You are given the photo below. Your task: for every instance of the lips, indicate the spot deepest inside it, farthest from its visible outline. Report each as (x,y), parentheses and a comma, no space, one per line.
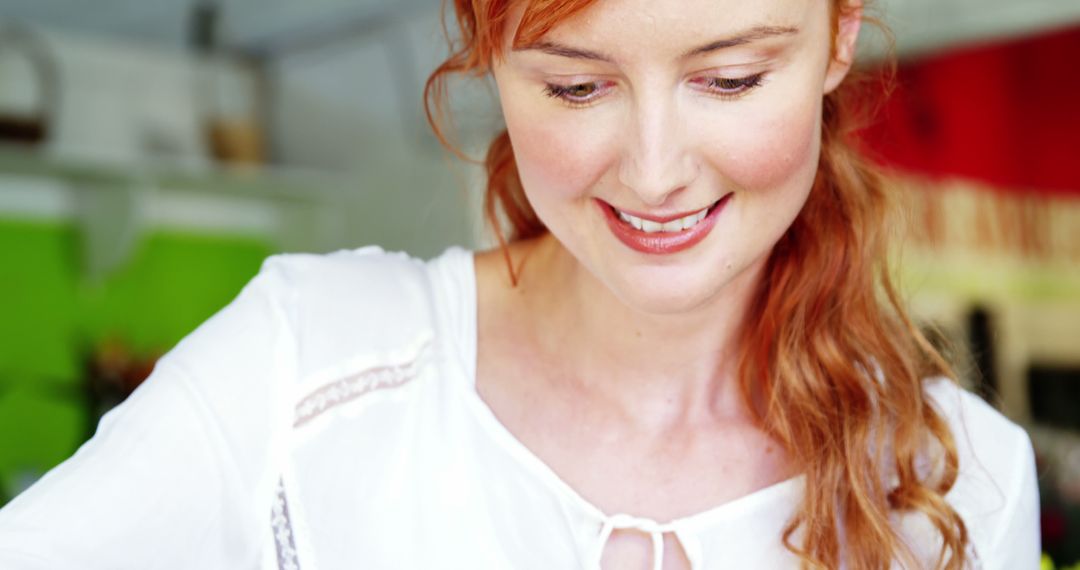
(662,235)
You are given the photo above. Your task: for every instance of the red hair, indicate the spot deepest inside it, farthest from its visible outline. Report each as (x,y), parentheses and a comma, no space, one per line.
(830,362)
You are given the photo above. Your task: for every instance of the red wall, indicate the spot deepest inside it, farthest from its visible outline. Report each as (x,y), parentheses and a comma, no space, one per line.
(1005,113)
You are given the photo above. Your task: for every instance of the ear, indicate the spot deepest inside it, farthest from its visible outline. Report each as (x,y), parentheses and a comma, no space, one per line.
(843,52)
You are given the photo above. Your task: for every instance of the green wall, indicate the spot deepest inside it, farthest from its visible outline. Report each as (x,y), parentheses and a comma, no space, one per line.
(50,318)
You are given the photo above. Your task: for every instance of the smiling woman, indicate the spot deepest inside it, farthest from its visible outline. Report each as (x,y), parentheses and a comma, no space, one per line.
(686,352)
(709,141)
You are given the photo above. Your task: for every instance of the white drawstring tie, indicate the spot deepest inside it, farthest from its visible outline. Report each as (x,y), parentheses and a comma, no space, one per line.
(622,522)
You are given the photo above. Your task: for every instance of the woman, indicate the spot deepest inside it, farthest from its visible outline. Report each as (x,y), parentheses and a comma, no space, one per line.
(679,358)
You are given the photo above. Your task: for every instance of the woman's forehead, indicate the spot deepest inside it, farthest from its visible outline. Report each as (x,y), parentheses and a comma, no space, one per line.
(608,27)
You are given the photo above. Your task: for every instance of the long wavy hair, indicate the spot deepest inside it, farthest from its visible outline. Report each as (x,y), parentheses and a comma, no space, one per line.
(830,363)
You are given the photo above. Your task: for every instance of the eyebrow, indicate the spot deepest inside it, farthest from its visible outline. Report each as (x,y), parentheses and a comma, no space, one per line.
(748,36)
(751,35)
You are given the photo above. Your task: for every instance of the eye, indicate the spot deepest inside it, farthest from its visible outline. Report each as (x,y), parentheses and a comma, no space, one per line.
(576,95)
(726,87)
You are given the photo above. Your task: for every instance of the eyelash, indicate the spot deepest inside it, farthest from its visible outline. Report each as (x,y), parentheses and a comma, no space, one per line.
(728,88)
(723,87)
(562,92)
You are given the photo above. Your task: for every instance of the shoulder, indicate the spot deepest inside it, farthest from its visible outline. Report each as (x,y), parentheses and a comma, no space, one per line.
(996,491)
(304,314)
(982,433)
(988,443)
(364,304)
(367,271)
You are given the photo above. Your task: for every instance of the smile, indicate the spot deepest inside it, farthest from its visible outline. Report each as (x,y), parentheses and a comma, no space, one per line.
(662,234)
(676,225)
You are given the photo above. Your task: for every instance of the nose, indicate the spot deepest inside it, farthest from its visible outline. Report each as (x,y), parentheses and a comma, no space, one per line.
(657,160)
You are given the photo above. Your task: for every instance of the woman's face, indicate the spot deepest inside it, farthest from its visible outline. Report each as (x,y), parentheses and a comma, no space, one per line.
(669,144)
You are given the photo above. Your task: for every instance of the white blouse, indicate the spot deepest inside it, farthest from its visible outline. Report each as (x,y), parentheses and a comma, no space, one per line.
(327,419)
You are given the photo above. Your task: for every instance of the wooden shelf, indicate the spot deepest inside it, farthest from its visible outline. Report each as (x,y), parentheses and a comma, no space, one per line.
(268,182)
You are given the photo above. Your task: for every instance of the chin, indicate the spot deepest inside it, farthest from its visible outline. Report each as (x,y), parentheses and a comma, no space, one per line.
(665,292)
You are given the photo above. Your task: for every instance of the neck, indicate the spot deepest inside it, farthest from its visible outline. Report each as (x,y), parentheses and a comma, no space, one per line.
(657,371)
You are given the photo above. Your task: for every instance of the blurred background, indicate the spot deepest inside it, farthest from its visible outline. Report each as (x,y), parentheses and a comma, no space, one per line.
(154,152)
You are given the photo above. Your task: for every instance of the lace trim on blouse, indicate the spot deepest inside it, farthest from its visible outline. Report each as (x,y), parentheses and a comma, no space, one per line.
(352,387)
(283,532)
(322,399)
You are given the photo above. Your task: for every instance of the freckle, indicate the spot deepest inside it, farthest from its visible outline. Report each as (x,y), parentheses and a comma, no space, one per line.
(768,449)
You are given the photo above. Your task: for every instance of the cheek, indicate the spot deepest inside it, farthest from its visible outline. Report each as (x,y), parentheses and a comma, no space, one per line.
(556,158)
(770,147)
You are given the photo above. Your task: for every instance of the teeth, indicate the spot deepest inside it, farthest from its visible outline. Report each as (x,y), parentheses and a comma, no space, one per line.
(649,226)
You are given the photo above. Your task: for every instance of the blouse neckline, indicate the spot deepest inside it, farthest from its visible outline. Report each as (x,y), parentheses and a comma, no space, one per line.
(780,493)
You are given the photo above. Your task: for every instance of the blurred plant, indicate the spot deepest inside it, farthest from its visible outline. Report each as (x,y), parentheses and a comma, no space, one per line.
(1048,564)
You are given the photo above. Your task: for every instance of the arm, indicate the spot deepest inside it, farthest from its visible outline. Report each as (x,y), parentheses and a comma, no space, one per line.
(180,475)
